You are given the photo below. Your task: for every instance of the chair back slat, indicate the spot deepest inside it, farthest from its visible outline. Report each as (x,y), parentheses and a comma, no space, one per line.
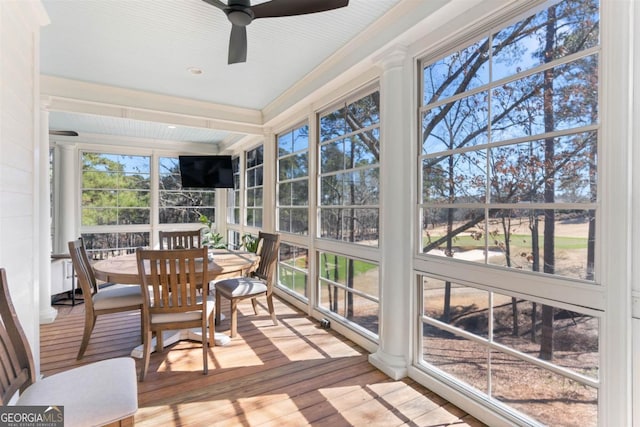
(180,239)
(175,277)
(16,360)
(268,248)
(82,266)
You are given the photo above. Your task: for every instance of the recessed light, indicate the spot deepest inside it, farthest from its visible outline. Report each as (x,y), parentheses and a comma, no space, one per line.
(171,127)
(195,71)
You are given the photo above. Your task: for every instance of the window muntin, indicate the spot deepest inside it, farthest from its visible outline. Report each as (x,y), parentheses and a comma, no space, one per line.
(254,186)
(233,196)
(293,181)
(177,206)
(115,189)
(349,171)
(495,133)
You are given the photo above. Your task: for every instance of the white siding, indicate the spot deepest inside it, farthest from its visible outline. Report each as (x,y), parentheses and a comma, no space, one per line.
(19,109)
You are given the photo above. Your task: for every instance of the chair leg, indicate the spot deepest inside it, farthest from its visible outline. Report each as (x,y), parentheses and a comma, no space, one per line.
(218,305)
(212,331)
(89,324)
(205,347)
(159,342)
(254,302)
(146,352)
(234,317)
(272,310)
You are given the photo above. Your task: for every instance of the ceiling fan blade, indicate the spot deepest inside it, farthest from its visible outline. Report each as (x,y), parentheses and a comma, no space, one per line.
(276,8)
(63,132)
(238,44)
(216,3)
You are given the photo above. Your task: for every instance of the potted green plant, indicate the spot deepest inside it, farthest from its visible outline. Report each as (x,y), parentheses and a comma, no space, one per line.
(249,242)
(210,237)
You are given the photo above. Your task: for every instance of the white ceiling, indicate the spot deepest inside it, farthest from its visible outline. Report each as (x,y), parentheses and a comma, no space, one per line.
(150,45)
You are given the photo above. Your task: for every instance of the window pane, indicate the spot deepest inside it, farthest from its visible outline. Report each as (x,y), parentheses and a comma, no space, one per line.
(105,245)
(458,178)
(466,360)
(461,71)
(462,123)
(284,194)
(519,236)
(293,269)
(333,125)
(457,305)
(516,105)
(350,225)
(522,41)
(519,324)
(349,288)
(456,233)
(301,138)
(285,143)
(530,388)
(300,193)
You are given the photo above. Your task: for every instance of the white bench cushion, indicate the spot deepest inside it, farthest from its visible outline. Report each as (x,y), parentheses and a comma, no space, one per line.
(117,296)
(92,395)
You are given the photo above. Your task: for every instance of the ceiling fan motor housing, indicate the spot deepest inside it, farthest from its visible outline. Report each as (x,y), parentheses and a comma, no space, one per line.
(240,16)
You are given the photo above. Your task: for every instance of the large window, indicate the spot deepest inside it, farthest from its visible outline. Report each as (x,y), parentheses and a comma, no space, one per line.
(509,146)
(349,171)
(508,174)
(116,202)
(348,203)
(253,182)
(293,181)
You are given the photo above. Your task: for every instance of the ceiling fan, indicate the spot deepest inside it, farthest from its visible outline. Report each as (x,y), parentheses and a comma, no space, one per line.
(63,132)
(240,13)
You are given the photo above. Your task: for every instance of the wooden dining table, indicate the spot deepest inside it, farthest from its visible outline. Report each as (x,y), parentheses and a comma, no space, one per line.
(222,263)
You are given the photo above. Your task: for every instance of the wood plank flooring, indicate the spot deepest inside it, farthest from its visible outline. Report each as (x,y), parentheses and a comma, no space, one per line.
(293,374)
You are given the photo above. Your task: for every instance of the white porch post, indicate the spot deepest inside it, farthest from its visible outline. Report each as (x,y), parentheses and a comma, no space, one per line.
(47,313)
(269,181)
(392,355)
(66,192)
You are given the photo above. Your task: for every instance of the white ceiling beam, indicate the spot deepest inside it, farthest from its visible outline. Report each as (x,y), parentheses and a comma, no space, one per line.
(90,98)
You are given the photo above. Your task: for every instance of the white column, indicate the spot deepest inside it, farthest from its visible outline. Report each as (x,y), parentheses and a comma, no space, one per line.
(66,212)
(47,313)
(269,181)
(396,216)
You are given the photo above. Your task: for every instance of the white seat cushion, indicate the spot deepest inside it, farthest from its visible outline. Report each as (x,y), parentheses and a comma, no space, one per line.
(184,317)
(117,296)
(243,286)
(92,395)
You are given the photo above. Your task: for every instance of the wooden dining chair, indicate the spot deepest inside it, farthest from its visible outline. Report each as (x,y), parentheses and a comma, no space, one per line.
(187,239)
(258,283)
(99,393)
(178,279)
(110,298)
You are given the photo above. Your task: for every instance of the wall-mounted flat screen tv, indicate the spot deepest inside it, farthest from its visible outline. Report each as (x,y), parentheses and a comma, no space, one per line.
(206,171)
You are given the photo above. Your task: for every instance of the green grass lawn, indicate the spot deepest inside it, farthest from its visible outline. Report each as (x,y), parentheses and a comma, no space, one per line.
(519,240)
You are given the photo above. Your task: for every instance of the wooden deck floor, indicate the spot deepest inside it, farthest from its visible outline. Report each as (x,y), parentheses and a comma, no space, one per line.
(294,374)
